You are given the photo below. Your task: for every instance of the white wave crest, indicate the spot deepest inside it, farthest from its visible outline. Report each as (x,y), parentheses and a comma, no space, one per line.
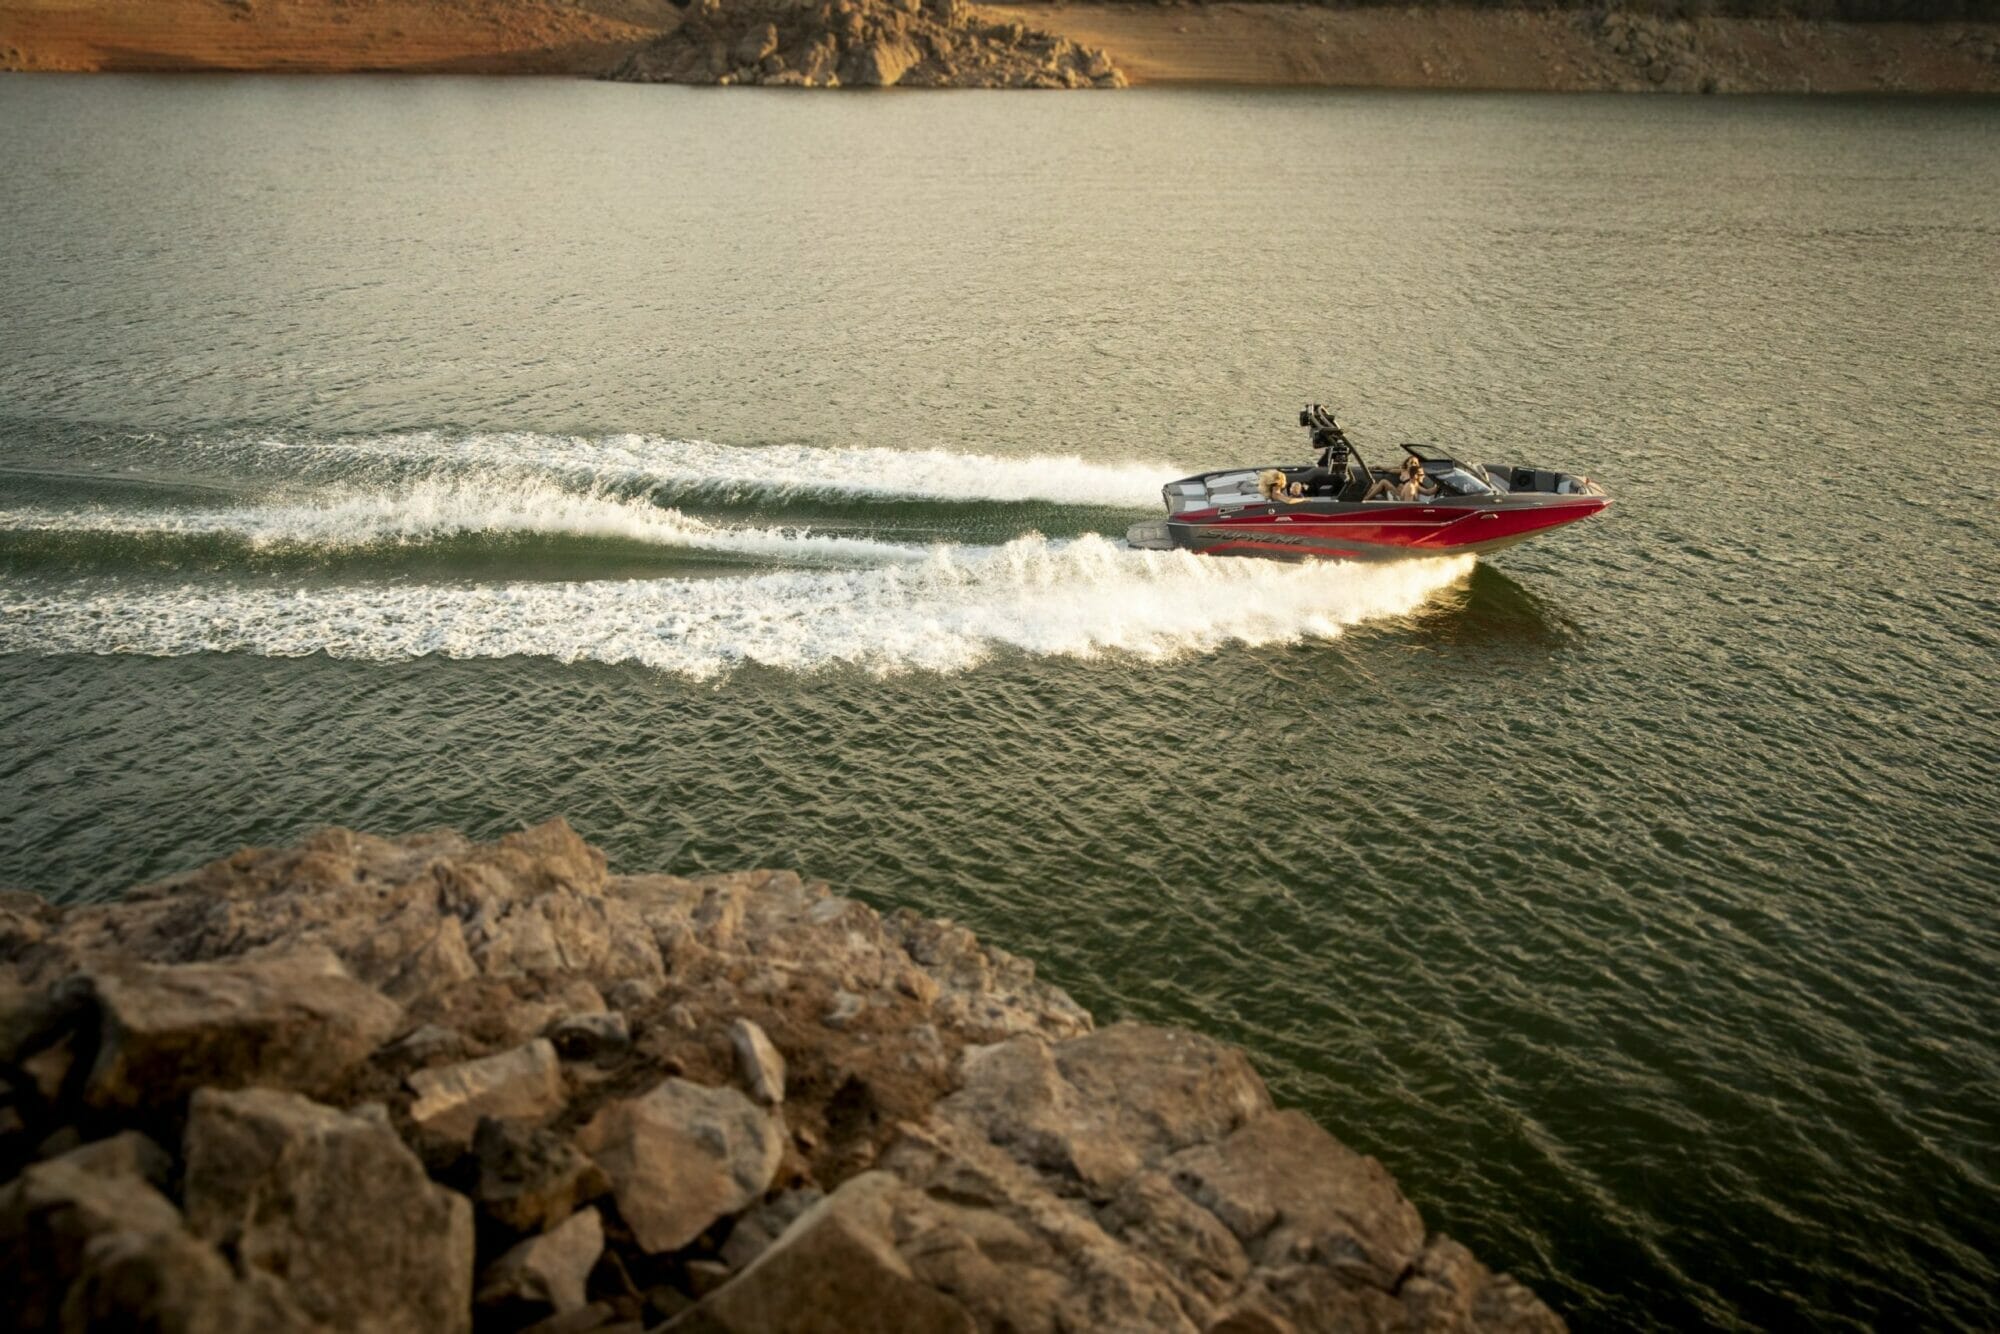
(433,509)
(946,612)
(697,467)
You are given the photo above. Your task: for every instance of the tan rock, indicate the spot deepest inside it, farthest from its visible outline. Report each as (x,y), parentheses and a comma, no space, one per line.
(524,1084)
(753,1232)
(1447,1289)
(439,961)
(25,920)
(47,1072)
(49,1215)
(424,1045)
(1163,1089)
(836,1269)
(527,1178)
(1151,1216)
(335,1204)
(549,1270)
(819,65)
(33,1017)
(1017,1247)
(756,43)
(126,1154)
(1015,1095)
(1294,1194)
(758,1062)
(878,64)
(169,1281)
(87,1244)
(295,1020)
(719,918)
(681,1157)
(1099,1107)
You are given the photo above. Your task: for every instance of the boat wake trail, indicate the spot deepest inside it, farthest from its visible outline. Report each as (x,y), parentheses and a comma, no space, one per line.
(951,609)
(696,469)
(436,510)
(128,555)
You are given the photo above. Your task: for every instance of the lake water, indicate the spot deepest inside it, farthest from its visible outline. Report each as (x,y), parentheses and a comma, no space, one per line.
(740,474)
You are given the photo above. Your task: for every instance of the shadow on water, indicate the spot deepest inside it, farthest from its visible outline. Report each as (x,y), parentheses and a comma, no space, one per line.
(1490,608)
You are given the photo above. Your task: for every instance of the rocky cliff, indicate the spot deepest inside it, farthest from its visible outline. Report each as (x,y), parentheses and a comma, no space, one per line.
(425,1084)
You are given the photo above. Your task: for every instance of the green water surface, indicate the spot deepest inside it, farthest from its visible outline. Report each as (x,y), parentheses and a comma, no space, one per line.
(718,468)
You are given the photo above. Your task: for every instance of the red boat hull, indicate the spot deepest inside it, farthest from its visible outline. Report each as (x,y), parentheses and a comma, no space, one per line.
(1377,530)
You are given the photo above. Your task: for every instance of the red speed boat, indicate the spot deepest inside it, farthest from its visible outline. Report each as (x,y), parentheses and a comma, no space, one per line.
(1467,507)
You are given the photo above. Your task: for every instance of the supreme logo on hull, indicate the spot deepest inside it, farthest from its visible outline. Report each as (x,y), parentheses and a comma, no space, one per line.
(1222,542)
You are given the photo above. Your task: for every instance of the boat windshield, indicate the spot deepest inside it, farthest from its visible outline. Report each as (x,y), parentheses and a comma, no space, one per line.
(1457,481)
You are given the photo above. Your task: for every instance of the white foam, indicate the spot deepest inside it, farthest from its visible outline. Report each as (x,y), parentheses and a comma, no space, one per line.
(432,509)
(946,612)
(698,467)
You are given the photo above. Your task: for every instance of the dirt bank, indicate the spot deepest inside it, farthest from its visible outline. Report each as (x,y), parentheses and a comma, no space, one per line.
(1274,44)
(327,36)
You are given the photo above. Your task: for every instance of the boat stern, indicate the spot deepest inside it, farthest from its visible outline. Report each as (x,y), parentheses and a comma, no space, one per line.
(1153,535)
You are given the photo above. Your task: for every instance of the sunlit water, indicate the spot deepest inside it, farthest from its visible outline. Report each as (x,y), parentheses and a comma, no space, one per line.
(741,475)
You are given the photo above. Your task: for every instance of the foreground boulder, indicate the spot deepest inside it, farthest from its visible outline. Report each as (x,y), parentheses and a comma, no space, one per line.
(49,1217)
(682,1157)
(333,1203)
(87,1245)
(324,1087)
(296,1019)
(546,1273)
(527,1179)
(835,1262)
(524,1084)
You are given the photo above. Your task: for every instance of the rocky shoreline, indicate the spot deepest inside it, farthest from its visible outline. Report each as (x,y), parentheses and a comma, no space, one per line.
(1038,44)
(863,44)
(427,1084)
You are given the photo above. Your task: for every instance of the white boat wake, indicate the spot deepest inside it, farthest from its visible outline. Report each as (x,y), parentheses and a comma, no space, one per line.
(948,610)
(698,468)
(432,510)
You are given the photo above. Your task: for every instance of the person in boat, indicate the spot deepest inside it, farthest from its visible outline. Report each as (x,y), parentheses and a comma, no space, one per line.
(1316,480)
(1271,485)
(1410,483)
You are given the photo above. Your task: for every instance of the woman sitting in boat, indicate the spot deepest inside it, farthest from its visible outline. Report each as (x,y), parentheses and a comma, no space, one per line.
(1271,485)
(1411,484)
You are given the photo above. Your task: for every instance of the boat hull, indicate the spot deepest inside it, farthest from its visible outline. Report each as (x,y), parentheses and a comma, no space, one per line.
(1374,530)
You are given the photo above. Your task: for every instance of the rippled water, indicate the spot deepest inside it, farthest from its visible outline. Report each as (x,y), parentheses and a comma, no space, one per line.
(741,474)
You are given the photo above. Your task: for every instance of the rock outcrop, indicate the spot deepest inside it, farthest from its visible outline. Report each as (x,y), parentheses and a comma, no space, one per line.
(423,1084)
(1657,52)
(863,44)
(331,1204)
